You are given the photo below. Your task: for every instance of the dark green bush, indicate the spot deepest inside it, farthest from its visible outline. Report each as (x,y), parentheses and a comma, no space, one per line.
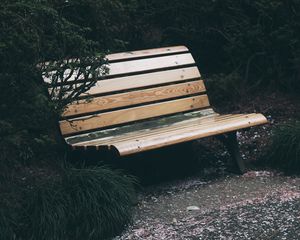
(7,224)
(257,40)
(224,87)
(111,22)
(9,211)
(31,148)
(84,204)
(285,149)
(32,32)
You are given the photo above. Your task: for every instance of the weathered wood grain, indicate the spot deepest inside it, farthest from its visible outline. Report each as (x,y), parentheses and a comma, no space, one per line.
(152,124)
(187,134)
(133,98)
(148,132)
(144,80)
(132,114)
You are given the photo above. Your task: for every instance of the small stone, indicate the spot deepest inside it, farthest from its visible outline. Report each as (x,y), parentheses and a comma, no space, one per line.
(193,208)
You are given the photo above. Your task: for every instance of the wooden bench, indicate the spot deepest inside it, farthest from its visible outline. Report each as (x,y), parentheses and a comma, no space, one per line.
(150,99)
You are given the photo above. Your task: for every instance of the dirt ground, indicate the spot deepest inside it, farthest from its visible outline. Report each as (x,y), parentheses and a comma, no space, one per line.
(257,205)
(206,201)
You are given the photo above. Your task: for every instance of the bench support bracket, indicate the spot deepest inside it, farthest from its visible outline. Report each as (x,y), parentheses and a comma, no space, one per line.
(232,145)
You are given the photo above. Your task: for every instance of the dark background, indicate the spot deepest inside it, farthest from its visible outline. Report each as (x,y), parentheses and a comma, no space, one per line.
(244,49)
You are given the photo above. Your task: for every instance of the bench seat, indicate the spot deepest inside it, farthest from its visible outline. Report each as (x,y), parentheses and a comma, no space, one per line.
(166,131)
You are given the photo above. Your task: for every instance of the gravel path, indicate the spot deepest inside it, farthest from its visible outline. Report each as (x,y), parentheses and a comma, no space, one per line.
(257,205)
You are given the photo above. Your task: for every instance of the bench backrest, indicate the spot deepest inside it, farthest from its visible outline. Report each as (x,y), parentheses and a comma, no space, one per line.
(140,85)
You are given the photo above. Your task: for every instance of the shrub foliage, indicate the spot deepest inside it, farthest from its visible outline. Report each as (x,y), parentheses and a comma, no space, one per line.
(285,149)
(90,203)
(258,40)
(33,32)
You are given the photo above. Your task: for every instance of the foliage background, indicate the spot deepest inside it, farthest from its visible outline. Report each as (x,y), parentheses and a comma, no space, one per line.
(241,47)
(35,184)
(255,43)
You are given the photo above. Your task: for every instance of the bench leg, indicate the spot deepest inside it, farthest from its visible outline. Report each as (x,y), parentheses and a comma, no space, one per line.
(231,143)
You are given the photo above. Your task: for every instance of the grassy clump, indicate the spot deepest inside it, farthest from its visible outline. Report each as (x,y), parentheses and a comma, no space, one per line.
(7,224)
(84,204)
(285,148)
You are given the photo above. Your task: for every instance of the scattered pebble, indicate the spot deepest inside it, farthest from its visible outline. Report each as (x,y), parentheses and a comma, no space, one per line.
(192,208)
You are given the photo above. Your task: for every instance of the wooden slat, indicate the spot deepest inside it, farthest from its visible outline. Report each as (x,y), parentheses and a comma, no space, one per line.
(140,126)
(133,98)
(205,122)
(132,114)
(143,80)
(135,66)
(182,135)
(146,53)
(147,132)
(150,64)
